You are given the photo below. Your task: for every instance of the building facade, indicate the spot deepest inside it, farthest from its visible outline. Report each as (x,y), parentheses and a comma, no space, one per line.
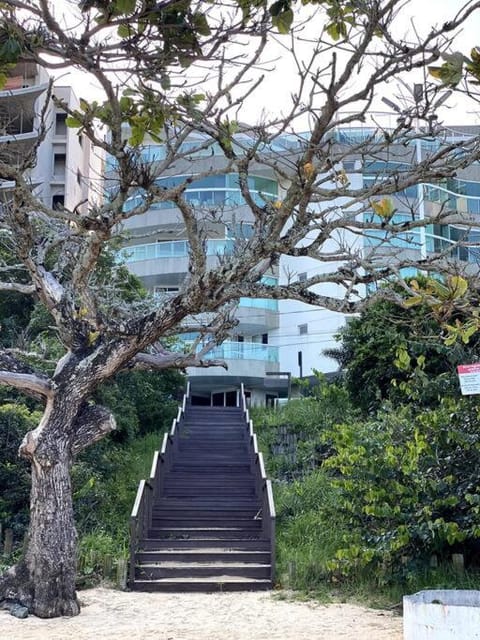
(275,340)
(66,173)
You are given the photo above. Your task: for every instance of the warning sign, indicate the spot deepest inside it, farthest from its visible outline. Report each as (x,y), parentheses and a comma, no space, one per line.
(469,376)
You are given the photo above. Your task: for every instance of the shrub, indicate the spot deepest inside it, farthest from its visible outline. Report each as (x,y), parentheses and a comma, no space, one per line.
(408,488)
(15,421)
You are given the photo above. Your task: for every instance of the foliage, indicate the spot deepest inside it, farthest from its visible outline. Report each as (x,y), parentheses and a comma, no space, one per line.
(308,537)
(408,487)
(385,342)
(102,522)
(290,436)
(15,421)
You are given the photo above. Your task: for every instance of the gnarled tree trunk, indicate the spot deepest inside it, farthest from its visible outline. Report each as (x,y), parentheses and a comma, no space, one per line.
(44,578)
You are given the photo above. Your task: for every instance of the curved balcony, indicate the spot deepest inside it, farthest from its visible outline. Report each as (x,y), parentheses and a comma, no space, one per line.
(172,249)
(205,147)
(244,359)
(465,199)
(230,350)
(15,147)
(17,108)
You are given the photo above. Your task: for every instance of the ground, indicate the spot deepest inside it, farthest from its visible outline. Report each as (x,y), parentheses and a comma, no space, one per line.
(117,615)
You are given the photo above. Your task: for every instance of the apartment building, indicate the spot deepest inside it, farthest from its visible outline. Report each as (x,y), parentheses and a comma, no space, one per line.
(67,172)
(275,340)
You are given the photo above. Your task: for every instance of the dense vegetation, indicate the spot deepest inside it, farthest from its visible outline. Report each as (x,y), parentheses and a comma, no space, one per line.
(375,474)
(377,488)
(105,477)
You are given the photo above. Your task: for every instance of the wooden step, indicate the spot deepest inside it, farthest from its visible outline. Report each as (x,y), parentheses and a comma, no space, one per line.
(232,543)
(225,504)
(212,554)
(201,570)
(187,522)
(203,532)
(201,585)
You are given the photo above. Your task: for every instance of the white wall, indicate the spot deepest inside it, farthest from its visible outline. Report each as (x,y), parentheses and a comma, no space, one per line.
(321,324)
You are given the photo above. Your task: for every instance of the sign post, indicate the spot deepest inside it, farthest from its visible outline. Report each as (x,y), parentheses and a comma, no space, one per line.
(469,376)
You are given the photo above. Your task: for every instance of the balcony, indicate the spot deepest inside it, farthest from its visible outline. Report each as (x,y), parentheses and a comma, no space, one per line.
(17,109)
(244,351)
(244,360)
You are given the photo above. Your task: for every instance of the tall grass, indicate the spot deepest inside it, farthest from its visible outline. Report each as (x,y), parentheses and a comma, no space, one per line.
(103,505)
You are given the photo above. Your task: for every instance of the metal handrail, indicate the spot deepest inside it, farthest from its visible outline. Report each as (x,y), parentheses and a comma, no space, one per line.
(263,486)
(147,491)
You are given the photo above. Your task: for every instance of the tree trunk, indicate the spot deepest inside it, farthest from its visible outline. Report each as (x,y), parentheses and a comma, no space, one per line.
(44,580)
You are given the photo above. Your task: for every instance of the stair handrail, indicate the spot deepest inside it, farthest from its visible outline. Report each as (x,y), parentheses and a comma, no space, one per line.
(263,485)
(141,515)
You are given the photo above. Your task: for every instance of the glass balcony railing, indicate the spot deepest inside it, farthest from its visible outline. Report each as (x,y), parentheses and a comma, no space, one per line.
(173,249)
(244,351)
(201,198)
(454,201)
(259,303)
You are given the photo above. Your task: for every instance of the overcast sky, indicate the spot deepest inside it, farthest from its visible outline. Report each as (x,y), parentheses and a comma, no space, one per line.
(417,15)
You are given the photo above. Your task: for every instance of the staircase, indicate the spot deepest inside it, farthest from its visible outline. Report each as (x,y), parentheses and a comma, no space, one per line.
(205,519)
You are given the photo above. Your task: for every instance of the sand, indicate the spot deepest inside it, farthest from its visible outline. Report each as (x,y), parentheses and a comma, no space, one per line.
(116,615)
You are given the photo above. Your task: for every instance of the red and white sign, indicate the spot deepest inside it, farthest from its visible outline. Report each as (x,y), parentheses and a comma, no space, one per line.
(469,376)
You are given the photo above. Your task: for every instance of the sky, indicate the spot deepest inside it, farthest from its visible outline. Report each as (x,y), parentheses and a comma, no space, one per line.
(280,81)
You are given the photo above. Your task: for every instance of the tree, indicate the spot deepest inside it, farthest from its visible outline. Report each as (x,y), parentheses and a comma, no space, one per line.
(149,59)
(371,348)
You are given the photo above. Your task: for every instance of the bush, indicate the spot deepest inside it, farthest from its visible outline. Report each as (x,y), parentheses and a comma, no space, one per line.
(290,436)
(15,421)
(308,537)
(408,488)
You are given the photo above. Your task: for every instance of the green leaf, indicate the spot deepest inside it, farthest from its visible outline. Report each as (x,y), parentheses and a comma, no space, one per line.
(414,301)
(450,72)
(283,21)
(137,136)
(72,122)
(336,30)
(201,24)
(126,103)
(165,82)
(125,31)
(125,6)
(458,286)
(10,50)
(277,7)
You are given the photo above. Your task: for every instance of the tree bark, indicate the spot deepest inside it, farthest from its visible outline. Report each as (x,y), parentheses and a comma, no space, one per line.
(44,579)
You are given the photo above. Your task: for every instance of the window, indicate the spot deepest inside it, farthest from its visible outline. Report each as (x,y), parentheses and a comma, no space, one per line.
(59,164)
(79,177)
(264,338)
(303,329)
(160,291)
(60,124)
(58,201)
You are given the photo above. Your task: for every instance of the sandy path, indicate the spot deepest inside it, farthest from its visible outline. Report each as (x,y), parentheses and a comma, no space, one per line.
(116,615)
